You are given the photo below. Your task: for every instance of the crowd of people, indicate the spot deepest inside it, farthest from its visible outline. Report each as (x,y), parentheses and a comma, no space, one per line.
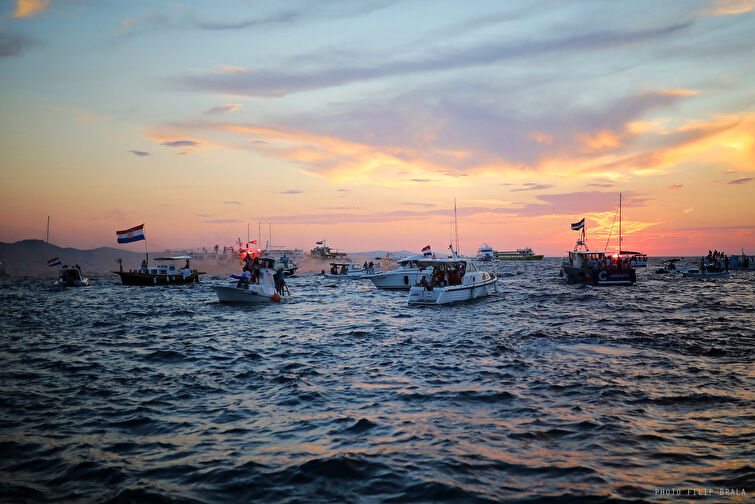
(714,261)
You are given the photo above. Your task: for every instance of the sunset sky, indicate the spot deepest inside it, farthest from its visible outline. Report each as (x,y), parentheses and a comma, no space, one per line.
(360,122)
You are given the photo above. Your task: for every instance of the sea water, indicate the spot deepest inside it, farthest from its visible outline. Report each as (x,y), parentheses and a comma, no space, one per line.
(342,393)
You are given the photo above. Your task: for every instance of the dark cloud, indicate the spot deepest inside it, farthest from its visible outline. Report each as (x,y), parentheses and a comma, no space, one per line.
(532,187)
(234,202)
(221,221)
(420,180)
(180,143)
(292,191)
(222,109)
(13,45)
(741,180)
(279,83)
(412,203)
(603,184)
(258,142)
(675,187)
(139,153)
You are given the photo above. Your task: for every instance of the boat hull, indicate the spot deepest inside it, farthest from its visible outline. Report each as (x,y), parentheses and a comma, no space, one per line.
(705,274)
(255,294)
(603,277)
(138,278)
(452,294)
(520,258)
(398,280)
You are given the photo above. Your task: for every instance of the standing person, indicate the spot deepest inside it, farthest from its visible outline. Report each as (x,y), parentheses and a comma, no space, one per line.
(284,260)
(256,270)
(144,266)
(248,263)
(280,282)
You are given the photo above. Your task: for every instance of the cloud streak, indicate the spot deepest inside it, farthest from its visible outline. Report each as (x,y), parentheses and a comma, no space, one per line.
(139,153)
(273,83)
(180,143)
(12,45)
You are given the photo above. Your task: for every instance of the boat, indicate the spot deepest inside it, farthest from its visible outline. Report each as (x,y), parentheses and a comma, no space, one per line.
(525,254)
(595,268)
(742,262)
(453,280)
(246,292)
(669,266)
(71,276)
(162,274)
(637,259)
(485,253)
(322,251)
(704,273)
(407,274)
(345,270)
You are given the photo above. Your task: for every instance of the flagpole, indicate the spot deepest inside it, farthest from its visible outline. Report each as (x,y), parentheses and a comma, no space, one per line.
(146,254)
(48,229)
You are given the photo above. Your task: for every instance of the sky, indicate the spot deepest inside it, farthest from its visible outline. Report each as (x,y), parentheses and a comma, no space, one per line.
(361,122)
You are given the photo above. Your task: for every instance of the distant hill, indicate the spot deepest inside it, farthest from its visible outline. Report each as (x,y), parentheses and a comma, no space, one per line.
(29,258)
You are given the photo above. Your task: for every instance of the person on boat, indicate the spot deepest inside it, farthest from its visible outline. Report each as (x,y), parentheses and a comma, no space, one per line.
(364,266)
(248,261)
(280,281)
(256,270)
(344,271)
(284,260)
(333,269)
(144,266)
(243,280)
(187,266)
(423,283)
(371,266)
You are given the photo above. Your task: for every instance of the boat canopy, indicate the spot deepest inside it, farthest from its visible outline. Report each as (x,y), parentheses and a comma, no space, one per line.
(343,264)
(630,252)
(447,264)
(173,258)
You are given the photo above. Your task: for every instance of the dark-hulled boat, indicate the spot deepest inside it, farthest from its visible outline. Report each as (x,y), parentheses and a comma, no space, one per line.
(595,268)
(162,274)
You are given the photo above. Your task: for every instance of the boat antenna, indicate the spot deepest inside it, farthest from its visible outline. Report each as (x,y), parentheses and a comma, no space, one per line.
(620,238)
(48,229)
(456,227)
(610,233)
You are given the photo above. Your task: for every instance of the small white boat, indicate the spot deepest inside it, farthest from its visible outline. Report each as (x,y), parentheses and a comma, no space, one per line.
(346,270)
(246,292)
(407,274)
(453,280)
(669,266)
(71,276)
(704,273)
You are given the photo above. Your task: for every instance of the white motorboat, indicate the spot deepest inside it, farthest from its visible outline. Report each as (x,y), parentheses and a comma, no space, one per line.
(407,274)
(346,270)
(247,292)
(704,273)
(669,266)
(453,280)
(71,276)
(485,253)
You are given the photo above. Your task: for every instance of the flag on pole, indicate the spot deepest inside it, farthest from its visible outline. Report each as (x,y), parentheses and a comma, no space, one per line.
(319,243)
(133,234)
(54,261)
(426,251)
(578,225)
(253,241)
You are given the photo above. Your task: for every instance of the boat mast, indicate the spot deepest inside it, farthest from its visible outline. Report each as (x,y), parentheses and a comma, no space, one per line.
(48,229)
(619,223)
(456,228)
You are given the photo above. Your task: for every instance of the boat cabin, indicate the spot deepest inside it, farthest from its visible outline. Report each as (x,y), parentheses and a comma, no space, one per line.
(485,253)
(345,268)
(445,272)
(581,258)
(170,268)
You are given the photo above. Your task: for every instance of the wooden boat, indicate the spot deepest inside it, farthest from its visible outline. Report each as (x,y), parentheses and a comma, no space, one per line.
(162,274)
(595,268)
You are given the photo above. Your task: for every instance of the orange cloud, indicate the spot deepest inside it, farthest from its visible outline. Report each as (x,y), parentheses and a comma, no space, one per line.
(730,7)
(27,8)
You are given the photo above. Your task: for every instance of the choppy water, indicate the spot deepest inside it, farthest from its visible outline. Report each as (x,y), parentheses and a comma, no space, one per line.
(547,392)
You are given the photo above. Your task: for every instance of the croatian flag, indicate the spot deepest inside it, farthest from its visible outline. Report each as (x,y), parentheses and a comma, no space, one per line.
(54,261)
(319,243)
(253,241)
(426,251)
(136,233)
(578,225)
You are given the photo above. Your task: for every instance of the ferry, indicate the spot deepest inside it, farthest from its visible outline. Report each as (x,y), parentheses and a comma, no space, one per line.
(71,276)
(453,280)
(162,274)
(595,268)
(525,254)
(408,273)
(246,292)
(485,253)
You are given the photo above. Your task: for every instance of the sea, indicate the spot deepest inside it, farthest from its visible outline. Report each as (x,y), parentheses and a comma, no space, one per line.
(544,392)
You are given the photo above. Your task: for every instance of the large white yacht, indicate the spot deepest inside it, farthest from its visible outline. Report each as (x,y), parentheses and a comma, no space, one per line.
(453,280)
(408,273)
(485,253)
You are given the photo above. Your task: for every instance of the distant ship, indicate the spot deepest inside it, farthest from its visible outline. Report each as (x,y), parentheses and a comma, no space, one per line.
(524,254)
(485,253)
(322,251)
(161,274)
